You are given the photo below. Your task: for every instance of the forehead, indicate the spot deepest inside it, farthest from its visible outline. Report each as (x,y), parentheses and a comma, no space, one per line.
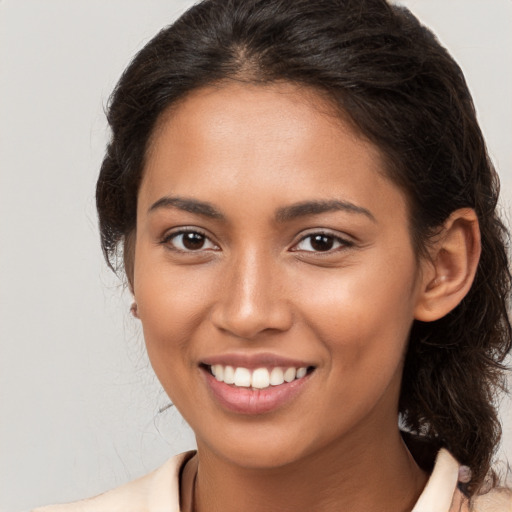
(214,105)
(278,141)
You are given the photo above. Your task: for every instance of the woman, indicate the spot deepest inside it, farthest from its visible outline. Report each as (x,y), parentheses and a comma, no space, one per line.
(307,217)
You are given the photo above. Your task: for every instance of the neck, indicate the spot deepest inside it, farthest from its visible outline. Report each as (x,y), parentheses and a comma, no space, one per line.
(379,474)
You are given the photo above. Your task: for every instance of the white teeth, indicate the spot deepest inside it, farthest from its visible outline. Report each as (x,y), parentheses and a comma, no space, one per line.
(261,378)
(276,376)
(218,372)
(242,378)
(301,372)
(229,375)
(290,374)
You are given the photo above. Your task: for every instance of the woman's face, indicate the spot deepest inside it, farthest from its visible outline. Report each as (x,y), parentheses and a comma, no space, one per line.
(270,248)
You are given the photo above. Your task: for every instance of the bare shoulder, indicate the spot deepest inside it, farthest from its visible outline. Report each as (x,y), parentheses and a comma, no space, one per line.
(154,492)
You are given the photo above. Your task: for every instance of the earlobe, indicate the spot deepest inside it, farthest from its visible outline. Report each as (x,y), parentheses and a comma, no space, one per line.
(452,266)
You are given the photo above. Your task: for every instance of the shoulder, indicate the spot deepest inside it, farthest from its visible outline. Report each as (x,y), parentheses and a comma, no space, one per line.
(157,491)
(496,500)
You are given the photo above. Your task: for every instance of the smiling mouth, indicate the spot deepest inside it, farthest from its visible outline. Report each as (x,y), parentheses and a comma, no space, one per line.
(258,378)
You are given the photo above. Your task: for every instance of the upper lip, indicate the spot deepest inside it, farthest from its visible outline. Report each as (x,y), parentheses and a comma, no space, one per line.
(253,361)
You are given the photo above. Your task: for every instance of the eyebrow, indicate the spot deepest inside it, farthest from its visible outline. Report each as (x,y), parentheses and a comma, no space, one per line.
(306,208)
(187,205)
(284,214)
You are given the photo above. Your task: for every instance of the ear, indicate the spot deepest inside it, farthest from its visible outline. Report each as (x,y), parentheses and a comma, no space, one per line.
(448,276)
(134,310)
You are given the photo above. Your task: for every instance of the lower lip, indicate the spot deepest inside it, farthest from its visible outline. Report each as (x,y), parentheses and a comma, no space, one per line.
(254,401)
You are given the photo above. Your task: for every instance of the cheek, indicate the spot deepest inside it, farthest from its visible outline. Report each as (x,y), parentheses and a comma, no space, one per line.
(171,303)
(167,294)
(168,313)
(363,313)
(364,333)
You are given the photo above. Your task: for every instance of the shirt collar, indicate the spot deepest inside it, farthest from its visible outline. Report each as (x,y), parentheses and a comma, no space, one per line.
(440,489)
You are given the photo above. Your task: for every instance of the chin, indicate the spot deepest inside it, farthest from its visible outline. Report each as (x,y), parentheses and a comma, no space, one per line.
(258,453)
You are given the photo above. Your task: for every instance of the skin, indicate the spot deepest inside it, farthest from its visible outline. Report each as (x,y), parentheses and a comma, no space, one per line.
(256,286)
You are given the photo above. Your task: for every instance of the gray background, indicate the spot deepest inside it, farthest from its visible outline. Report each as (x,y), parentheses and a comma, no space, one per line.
(78,401)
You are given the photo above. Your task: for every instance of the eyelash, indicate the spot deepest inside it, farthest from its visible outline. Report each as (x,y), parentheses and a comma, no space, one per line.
(333,239)
(168,240)
(342,242)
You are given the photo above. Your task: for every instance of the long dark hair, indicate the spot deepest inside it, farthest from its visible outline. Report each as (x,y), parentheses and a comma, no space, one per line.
(401,90)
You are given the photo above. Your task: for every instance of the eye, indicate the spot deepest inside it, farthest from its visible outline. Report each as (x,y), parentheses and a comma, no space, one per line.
(321,242)
(189,241)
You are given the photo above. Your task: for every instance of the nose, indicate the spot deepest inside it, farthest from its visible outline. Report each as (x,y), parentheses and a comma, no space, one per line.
(252,298)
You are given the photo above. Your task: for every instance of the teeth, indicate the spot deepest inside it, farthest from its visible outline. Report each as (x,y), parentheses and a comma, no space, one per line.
(218,372)
(290,374)
(261,378)
(276,376)
(301,372)
(229,375)
(242,378)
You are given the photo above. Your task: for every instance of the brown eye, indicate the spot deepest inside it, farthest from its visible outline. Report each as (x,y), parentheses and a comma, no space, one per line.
(190,241)
(193,241)
(321,242)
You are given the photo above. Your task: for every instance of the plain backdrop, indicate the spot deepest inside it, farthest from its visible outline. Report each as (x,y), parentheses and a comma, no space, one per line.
(79,405)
